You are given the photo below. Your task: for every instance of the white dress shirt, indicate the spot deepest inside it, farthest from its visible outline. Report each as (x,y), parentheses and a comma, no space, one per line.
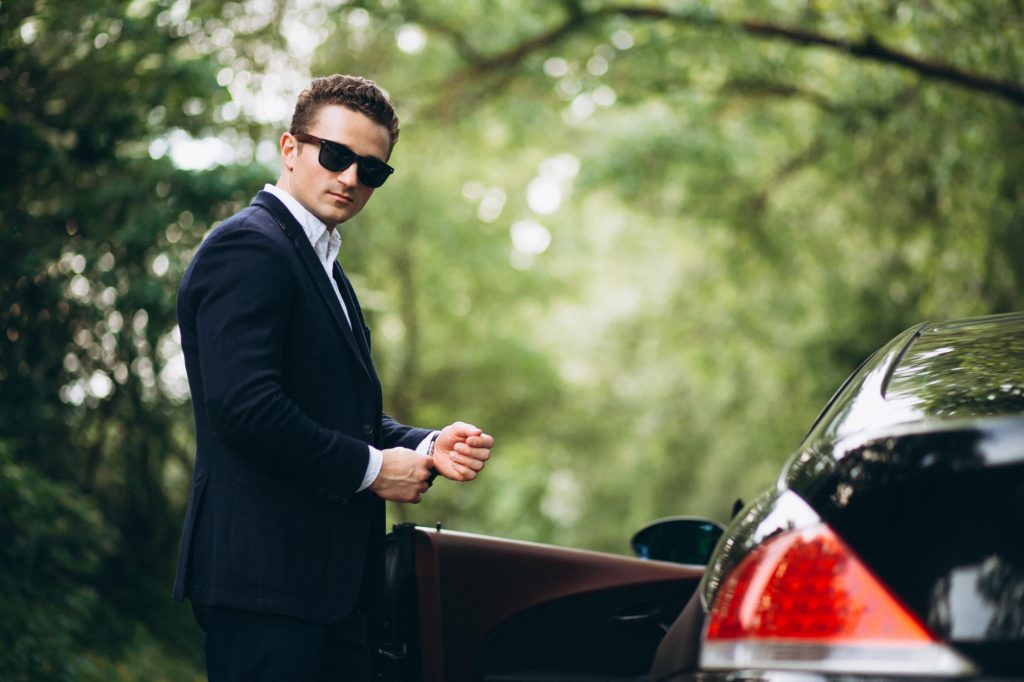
(327,243)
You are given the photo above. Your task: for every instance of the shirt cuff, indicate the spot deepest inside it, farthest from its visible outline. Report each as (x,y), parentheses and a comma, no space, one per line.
(373,466)
(424,447)
(376,460)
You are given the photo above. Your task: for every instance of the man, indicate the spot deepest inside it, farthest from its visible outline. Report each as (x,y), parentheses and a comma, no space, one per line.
(281,552)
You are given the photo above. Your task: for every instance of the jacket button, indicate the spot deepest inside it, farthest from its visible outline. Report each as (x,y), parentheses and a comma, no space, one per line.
(367,429)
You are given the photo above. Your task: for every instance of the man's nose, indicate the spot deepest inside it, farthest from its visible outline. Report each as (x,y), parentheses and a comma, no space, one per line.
(350,175)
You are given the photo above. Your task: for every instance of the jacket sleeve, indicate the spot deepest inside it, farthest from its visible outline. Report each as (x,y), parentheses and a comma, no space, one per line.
(235,303)
(400,435)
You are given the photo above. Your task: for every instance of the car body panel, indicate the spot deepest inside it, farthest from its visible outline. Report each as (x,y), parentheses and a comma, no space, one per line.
(930,373)
(494,609)
(917,463)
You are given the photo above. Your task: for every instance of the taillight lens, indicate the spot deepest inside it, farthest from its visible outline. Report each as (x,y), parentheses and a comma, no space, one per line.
(804,601)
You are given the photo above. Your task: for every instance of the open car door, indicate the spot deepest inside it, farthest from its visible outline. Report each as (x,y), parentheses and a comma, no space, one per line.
(464,607)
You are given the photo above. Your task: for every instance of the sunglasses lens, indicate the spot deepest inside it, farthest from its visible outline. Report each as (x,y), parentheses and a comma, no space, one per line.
(372,174)
(335,157)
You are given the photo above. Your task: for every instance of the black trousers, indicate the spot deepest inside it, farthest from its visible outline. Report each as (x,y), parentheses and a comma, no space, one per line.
(244,646)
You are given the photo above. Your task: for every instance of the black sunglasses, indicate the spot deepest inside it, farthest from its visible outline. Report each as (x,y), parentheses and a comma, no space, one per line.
(336,157)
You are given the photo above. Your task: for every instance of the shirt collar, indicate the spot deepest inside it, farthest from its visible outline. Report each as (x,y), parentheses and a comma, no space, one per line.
(326,243)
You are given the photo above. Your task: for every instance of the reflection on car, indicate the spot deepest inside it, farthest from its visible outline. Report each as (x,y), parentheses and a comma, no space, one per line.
(890,546)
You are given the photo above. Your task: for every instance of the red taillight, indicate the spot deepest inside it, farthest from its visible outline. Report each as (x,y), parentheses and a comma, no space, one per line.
(803,600)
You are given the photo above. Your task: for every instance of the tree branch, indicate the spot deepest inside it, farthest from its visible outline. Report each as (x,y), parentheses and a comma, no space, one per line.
(868,49)
(872,50)
(413,12)
(753,89)
(516,53)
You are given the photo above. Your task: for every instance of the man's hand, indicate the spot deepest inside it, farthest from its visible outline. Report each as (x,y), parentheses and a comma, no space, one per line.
(461,450)
(403,475)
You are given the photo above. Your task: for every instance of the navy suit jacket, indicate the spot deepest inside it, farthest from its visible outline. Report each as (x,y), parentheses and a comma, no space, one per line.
(286,400)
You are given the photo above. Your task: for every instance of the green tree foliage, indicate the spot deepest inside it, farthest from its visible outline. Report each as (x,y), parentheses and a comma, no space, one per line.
(765,193)
(640,243)
(54,544)
(95,233)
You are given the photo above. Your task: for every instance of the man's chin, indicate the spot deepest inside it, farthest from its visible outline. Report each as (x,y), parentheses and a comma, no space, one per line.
(332,215)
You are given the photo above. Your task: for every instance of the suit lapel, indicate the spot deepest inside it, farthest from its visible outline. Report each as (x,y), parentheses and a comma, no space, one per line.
(355,315)
(283,217)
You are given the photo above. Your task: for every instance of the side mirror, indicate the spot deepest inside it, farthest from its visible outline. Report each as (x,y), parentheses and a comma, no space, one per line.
(680,539)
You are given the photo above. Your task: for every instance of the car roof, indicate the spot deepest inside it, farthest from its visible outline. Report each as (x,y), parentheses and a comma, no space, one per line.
(968,368)
(933,372)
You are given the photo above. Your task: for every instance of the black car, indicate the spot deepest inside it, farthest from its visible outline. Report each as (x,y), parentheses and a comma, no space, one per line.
(892,543)
(891,546)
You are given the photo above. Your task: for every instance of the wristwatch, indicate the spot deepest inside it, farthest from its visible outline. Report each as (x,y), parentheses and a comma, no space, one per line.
(430,454)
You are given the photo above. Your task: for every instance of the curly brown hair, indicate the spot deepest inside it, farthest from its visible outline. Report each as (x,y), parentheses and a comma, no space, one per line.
(357,93)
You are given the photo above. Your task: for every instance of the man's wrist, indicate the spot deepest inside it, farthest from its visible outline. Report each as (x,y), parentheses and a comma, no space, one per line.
(373,467)
(430,454)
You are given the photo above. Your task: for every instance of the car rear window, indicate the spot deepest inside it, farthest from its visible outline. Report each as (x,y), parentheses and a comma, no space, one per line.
(973,368)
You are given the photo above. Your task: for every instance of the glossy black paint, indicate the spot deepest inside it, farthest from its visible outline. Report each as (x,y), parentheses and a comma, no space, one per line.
(917,463)
(941,525)
(931,373)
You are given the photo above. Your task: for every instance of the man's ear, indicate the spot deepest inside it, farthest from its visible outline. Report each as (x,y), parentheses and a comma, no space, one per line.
(289,150)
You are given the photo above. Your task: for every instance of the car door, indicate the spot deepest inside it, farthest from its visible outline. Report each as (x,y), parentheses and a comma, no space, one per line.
(470,607)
